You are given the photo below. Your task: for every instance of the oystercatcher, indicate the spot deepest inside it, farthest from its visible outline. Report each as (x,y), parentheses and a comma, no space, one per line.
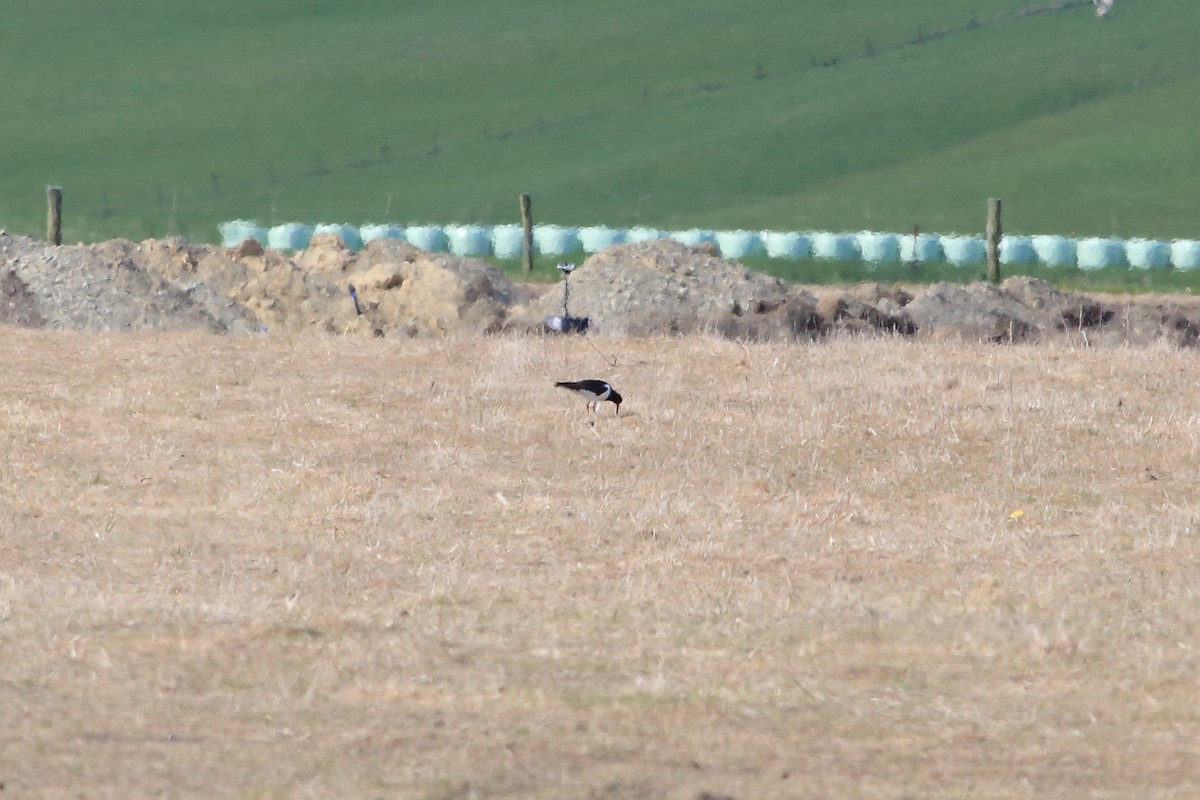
(594,391)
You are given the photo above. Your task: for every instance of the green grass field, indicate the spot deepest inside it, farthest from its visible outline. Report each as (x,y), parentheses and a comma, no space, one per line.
(169,118)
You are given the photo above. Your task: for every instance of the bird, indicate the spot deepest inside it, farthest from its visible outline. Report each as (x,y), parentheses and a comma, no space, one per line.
(594,391)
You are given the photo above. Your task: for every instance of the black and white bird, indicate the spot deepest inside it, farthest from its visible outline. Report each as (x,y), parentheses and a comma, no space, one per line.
(594,391)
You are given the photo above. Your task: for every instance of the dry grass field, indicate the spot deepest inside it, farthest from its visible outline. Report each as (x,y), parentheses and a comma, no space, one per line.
(327,567)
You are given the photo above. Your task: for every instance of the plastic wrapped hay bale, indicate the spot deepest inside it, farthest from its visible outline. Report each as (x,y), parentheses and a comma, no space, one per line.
(739,244)
(1147,254)
(555,240)
(469,240)
(1017,250)
(1096,253)
(878,247)
(786,244)
(370,233)
(595,238)
(1054,251)
(1185,254)
(644,234)
(962,251)
(695,237)
(347,233)
(508,241)
(428,237)
(835,246)
(289,236)
(923,247)
(239,230)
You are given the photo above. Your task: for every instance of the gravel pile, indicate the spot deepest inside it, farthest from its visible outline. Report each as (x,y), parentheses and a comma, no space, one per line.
(663,285)
(102,288)
(666,287)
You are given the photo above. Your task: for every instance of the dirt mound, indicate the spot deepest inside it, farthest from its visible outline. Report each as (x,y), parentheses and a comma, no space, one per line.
(866,308)
(658,286)
(391,288)
(100,288)
(171,284)
(401,286)
(1029,309)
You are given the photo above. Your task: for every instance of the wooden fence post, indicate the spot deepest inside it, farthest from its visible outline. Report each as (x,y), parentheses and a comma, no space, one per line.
(527,223)
(993,240)
(54,214)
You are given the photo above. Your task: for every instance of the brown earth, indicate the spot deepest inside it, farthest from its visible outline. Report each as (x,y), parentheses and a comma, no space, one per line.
(304,565)
(391,288)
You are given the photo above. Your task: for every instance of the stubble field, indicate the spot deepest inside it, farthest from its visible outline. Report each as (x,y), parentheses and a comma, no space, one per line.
(309,566)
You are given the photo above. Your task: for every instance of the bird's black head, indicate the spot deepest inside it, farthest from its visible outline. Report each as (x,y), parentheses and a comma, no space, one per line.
(615,398)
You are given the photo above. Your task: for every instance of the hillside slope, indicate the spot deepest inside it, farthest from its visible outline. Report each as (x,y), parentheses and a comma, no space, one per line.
(162,120)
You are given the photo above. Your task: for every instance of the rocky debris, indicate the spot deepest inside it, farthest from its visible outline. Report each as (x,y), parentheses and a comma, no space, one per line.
(170,284)
(865,308)
(391,288)
(1053,308)
(249,247)
(1029,309)
(792,317)
(1138,323)
(662,285)
(326,252)
(978,312)
(101,288)
(17,305)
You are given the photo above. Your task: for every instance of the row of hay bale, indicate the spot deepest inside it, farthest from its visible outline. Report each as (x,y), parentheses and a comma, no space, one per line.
(507,241)
(1046,250)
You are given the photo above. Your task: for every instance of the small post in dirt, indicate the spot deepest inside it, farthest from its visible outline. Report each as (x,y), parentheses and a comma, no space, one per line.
(54,214)
(993,240)
(527,224)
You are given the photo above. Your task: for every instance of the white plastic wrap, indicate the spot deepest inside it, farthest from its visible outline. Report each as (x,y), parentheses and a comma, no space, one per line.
(1017,250)
(468,240)
(1054,251)
(963,251)
(641,234)
(924,247)
(555,240)
(1097,253)
(1147,254)
(878,247)
(289,236)
(740,244)
(695,237)
(239,230)
(1185,254)
(787,244)
(371,232)
(595,238)
(834,246)
(431,238)
(508,241)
